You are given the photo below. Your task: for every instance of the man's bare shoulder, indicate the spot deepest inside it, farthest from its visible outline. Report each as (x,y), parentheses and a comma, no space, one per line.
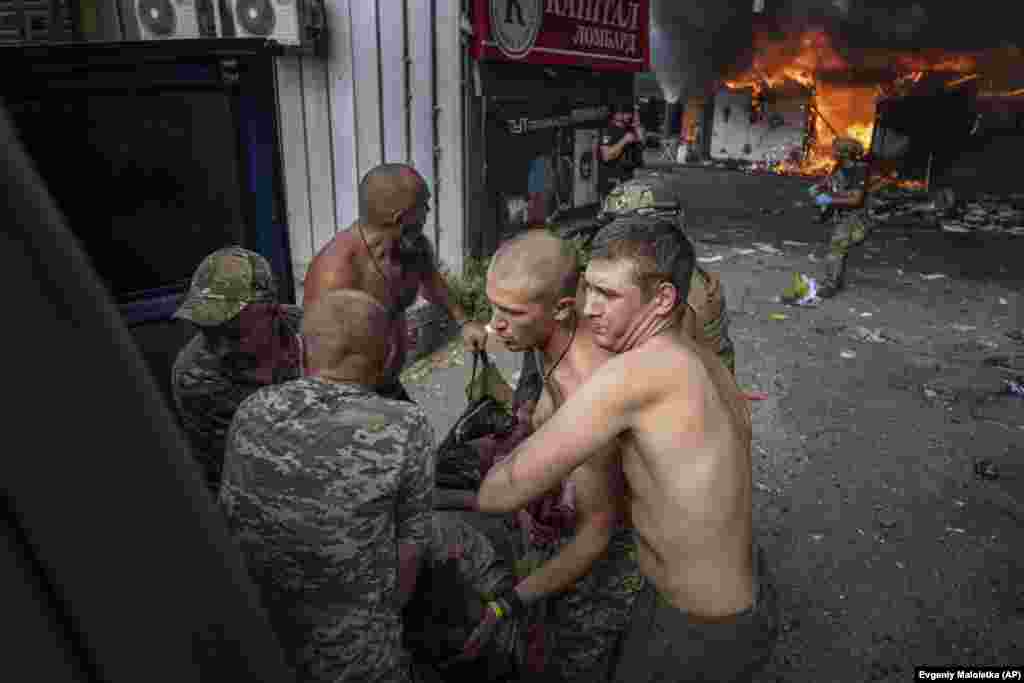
(341,247)
(334,266)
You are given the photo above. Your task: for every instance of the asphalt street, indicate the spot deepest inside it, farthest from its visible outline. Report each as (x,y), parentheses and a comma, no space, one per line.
(888,456)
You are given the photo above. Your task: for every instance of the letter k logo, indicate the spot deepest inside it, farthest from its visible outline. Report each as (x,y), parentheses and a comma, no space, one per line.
(509,5)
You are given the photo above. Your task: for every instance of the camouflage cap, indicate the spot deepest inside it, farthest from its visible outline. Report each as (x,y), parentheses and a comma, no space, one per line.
(636,195)
(225,282)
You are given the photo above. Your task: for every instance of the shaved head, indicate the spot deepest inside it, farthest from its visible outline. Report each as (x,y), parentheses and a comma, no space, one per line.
(387,190)
(538,263)
(343,324)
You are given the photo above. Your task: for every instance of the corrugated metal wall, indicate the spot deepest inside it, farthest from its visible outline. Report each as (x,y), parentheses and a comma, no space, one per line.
(388,90)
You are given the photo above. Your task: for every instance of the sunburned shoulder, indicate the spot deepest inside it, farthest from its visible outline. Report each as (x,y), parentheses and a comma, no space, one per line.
(660,365)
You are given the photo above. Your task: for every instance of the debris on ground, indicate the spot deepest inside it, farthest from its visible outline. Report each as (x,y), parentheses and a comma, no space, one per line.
(986,469)
(766,248)
(847,354)
(932,276)
(710,259)
(1016,335)
(863,334)
(777,316)
(989,213)
(794,243)
(745,252)
(802,292)
(963,328)
(1016,388)
(985,213)
(1003,302)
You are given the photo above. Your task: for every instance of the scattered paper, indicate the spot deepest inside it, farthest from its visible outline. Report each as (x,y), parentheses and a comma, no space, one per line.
(866,315)
(1003,301)
(767,248)
(865,335)
(933,276)
(710,259)
(847,354)
(794,243)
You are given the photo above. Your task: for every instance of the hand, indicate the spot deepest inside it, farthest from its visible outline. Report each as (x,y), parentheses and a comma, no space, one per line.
(629,137)
(474,336)
(481,635)
(823,200)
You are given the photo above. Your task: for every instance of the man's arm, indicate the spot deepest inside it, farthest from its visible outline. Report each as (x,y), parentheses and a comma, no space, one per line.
(590,419)
(435,289)
(596,514)
(415,505)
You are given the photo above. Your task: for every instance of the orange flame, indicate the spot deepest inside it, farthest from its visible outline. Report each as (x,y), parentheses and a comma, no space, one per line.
(837,109)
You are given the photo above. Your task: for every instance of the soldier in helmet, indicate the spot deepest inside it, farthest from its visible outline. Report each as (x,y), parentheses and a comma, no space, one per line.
(245,340)
(844,195)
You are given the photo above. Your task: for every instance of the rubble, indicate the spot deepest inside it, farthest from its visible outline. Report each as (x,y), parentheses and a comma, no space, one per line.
(986,469)
(986,213)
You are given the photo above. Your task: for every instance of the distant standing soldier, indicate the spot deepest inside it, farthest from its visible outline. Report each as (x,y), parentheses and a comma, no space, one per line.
(246,340)
(845,194)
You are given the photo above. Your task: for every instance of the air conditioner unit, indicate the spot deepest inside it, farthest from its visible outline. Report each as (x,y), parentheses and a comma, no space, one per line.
(289,22)
(32,21)
(170,19)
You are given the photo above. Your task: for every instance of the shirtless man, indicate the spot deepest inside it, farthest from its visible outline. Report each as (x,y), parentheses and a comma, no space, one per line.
(591,572)
(708,612)
(385,254)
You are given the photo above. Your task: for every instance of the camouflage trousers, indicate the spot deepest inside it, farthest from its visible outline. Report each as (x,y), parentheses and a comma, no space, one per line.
(574,636)
(850,230)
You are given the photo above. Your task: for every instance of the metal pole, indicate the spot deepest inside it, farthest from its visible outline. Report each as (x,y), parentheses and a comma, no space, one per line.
(928,174)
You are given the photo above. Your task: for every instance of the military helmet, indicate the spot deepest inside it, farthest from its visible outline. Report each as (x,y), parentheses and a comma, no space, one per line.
(648,196)
(847,147)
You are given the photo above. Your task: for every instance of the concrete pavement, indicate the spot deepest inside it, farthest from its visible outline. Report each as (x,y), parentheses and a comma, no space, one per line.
(892,546)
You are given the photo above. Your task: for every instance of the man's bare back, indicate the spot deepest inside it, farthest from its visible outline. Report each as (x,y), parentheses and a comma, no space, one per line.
(687,460)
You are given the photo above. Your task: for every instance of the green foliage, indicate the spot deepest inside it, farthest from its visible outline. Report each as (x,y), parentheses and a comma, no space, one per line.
(470,287)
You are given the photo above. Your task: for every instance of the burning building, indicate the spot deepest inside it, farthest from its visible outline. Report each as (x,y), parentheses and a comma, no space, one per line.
(781,106)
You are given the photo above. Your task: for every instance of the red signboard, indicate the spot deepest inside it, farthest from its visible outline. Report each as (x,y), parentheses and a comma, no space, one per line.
(597,34)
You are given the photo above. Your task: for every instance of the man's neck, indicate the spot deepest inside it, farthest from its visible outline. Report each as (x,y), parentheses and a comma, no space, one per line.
(558,342)
(345,373)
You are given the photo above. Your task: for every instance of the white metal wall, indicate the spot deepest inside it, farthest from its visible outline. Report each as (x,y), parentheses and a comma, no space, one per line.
(388,89)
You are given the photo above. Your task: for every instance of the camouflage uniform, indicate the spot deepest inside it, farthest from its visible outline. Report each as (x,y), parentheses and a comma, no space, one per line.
(851,227)
(587,622)
(214,373)
(322,483)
